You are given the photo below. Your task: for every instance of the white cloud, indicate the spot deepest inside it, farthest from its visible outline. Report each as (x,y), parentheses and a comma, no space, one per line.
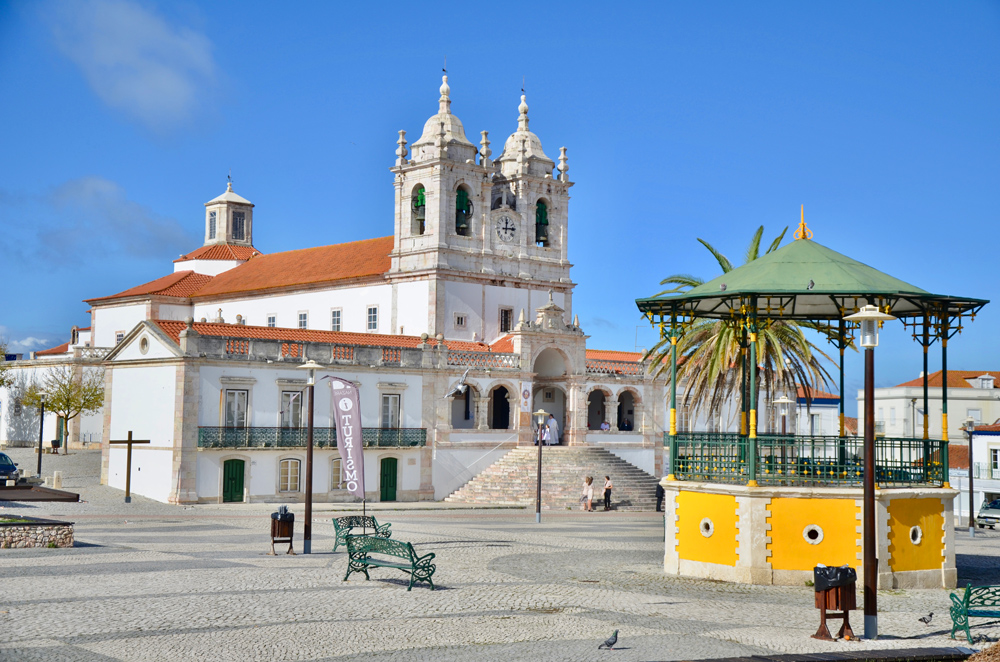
(96,215)
(134,60)
(24,345)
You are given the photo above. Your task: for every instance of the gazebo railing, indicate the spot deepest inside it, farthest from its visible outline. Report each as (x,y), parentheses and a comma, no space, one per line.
(805,459)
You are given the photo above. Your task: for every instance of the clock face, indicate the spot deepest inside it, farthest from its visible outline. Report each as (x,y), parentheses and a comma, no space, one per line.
(506,228)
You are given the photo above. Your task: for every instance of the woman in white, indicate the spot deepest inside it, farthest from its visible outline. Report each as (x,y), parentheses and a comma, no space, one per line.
(546,436)
(587,500)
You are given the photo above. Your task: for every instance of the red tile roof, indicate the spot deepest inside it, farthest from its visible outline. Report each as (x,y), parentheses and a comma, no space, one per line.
(958,456)
(307,266)
(221,252)
(610,355)
(505,345)
(816,394)
(173,329)
(956,378)
(180,284)
(58,349)
(851,425)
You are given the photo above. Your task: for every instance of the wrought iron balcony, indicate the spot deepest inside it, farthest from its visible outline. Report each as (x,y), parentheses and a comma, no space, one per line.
(815,460)
(262,437)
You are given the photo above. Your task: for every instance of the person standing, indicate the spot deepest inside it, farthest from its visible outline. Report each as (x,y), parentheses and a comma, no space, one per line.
(659,498)
(587,500)
(553,429)
(546,436)
(607,492)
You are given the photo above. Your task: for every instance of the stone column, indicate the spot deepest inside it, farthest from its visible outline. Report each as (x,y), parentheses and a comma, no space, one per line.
(482,412)
(183,478)
(611,412)
(106,427)
(515,408)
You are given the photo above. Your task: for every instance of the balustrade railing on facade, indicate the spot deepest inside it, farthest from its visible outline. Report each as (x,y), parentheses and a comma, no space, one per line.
(600,367)
(804,459)
(484,359)
(266,437)
(985,471)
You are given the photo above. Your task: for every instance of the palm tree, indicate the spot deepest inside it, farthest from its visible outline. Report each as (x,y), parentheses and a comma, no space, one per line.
(711,352)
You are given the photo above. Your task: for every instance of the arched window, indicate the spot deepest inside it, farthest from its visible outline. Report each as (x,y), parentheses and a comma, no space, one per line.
(463,212)
(542,223)
(418,206)
(288,478)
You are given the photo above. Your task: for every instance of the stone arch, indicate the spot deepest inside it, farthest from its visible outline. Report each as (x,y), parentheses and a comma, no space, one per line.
(499,408)
(550,362)
(542,209)
(418,209)
(628,408)
(597,406)
(463,408)
(464,210)
(553,399)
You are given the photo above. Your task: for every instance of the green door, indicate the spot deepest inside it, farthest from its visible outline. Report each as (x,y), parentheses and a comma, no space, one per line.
(232,481)
(387,481)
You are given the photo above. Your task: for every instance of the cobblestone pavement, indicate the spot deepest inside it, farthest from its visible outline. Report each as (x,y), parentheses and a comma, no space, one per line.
(148,581)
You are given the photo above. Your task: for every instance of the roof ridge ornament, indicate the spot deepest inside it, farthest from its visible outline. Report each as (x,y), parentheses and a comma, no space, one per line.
(803,232)
(522,109)
(444,107)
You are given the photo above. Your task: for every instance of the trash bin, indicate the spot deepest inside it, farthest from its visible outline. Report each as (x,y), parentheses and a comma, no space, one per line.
(282,529)
(835,598)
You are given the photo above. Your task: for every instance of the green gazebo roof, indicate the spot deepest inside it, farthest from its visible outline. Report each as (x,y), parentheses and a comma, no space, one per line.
(805,280)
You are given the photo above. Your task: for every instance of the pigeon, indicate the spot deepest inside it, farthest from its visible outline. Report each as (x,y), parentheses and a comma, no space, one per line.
(722,287)
(810,285)
(610,642)
(926,620)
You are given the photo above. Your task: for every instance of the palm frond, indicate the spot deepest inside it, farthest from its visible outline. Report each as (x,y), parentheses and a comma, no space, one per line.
(777,241)
(723,261)
(753,250)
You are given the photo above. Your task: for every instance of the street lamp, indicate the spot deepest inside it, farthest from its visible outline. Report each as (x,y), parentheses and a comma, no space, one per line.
(871,319)
(970,429)
(41,427)
(783,402)
(540,416)
(311,366)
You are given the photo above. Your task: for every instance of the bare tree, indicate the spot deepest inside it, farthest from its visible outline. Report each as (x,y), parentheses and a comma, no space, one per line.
(6,378)
(68,393)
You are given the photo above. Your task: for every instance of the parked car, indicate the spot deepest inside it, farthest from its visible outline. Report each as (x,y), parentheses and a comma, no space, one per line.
(8,469)
(989,515)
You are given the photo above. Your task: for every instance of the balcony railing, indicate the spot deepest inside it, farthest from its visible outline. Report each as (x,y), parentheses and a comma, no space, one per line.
(805,460)
(258,437)
(985,471)
(602,367)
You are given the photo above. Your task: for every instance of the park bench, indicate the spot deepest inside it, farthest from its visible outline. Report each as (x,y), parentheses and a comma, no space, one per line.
(361,548)
(344,526)
(981,601)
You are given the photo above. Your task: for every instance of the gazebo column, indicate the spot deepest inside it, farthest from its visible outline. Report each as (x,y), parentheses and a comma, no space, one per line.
(752,437)
(927,342)
(944,380)
(841,344)
(673,397)
(743,380)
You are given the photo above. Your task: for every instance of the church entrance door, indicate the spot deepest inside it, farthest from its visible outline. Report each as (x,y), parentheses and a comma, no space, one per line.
(387,479)
(232,481)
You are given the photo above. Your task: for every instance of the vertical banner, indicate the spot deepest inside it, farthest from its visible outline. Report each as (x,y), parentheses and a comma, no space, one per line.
(346,410)
(526,397)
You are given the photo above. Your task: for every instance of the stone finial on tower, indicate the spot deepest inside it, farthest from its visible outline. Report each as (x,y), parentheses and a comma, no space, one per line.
(484,150)
(445,100)
(562,167)
(522,121)
(401,151)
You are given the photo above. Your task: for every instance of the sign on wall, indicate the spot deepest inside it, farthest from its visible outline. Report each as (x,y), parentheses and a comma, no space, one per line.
(346,408)
(526,397)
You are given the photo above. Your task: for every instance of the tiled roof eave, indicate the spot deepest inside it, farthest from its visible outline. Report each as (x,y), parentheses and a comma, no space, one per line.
(292,289)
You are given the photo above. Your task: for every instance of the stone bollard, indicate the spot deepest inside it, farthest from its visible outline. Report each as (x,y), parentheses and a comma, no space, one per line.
(47,482)
(57,480)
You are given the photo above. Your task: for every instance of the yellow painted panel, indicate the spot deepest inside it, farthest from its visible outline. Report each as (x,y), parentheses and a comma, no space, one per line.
(692,545)
(836,518)
(904,554)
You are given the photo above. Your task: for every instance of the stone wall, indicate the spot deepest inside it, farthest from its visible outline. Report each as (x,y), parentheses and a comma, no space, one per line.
(35,533)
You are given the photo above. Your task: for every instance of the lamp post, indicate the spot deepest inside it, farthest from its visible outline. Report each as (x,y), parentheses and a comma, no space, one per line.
(783,402)
(540,416)
(41,428)
(970,429)
(871,319)
(311,366)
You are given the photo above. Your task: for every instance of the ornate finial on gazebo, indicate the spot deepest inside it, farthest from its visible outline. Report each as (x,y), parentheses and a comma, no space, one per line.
(803,232)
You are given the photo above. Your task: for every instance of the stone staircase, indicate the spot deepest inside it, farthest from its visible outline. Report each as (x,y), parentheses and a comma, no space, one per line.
(512,480)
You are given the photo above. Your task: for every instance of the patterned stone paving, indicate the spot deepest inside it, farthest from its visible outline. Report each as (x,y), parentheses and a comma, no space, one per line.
(149,581)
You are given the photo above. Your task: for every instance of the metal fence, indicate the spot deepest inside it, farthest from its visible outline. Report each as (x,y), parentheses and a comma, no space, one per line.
(805,459)
(262,437)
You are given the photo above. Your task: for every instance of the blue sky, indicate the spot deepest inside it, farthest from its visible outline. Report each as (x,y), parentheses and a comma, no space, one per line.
(682,120)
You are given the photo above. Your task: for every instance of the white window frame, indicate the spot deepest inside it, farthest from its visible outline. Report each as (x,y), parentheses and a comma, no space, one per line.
(338,324)
(302,317)
(213,225)
(995,458)
(295,401)
(272,319)
(390,398)
(246,407)
(976,415)
(336,474)
(285,479)
(368,317)
(510,326)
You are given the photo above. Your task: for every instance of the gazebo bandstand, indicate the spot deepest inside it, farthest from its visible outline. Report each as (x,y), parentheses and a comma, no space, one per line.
(767,508)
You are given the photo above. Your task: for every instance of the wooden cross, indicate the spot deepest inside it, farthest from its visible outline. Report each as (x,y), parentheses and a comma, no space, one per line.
(128,462)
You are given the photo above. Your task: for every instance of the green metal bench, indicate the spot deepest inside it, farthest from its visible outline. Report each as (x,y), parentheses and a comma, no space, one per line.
(360,549)
(343,526)
(981,601)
